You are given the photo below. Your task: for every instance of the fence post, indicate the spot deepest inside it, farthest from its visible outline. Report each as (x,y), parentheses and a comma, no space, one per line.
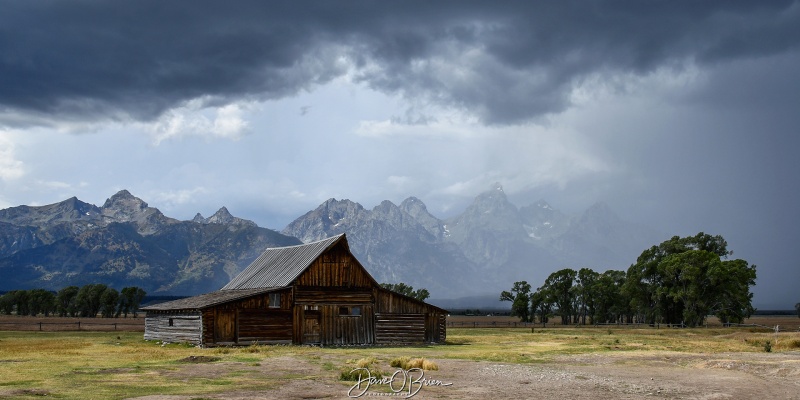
(40,326)
(79,325)
(115,326)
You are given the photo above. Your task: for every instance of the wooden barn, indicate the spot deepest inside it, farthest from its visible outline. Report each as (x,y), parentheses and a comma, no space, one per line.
(315,293)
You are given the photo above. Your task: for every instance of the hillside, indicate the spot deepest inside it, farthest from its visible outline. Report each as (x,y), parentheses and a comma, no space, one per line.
(123,243)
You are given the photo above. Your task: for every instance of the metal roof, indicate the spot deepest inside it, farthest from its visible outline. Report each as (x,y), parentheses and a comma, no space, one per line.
(208,299)
(279,266)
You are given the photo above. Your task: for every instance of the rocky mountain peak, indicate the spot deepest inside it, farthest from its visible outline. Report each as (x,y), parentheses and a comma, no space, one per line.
(541,221)
(413,203)
(330,218)
(417,210)
(222,216)
(124,200)
(491,218)
(337,210)
(392,215)
(125,207)
(495,192)
(493,201)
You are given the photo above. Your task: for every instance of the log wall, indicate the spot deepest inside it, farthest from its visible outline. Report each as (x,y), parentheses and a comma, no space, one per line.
(327,324)
(248,321)
(399,328)
(335,268)
(174,327)
(394,309)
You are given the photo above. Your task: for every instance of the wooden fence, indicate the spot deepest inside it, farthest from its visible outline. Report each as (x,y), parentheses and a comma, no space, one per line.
(550,325)
(48,326)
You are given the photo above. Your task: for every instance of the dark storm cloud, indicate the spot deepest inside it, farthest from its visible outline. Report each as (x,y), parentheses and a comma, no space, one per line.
(505,63)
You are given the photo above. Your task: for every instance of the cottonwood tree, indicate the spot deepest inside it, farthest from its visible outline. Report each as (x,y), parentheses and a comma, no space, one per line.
(585,296)
(557,290)
(41,301)
(519,296)
(684,279)
(108,302)
(89,299)
(129,300)
(611,304)
(541,306)
(67,301)
(797,308)
(731,283)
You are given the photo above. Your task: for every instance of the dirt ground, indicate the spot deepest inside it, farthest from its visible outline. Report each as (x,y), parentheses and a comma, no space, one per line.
(640,375)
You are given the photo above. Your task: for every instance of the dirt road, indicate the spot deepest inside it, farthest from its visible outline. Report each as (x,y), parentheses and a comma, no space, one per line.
(629,375)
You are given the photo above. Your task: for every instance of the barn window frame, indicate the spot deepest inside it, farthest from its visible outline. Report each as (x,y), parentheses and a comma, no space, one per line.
(349,311)
(274,300)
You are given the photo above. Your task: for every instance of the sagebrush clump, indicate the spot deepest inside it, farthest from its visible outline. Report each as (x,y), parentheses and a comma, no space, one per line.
(409,363)
(355,369)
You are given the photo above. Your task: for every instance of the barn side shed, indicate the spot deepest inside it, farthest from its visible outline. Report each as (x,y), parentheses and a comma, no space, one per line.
(315,293)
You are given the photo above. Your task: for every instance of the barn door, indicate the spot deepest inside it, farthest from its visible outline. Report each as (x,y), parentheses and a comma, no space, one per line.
(225,326)
(311,325)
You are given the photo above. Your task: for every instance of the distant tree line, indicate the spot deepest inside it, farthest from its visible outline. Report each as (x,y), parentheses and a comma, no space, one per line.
(680,281)
(87,301)
(408,290)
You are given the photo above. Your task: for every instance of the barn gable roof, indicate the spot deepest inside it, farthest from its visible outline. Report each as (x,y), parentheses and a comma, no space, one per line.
(207,300)
(280,266)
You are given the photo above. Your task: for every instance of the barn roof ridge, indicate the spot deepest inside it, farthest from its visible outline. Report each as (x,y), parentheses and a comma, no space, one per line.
(329,238)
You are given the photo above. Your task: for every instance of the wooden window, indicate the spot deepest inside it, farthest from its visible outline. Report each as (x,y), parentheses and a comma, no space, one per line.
(170,322)
(350,311)
(274,300)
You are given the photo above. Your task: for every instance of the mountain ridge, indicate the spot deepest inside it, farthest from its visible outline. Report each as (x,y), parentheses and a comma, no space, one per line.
(480,251)
(487,247)
(125,242)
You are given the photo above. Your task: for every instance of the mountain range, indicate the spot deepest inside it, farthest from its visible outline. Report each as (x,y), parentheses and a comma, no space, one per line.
(481,251)
(125,243)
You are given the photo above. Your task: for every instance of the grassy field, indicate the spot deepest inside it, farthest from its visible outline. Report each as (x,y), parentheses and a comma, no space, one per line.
(112,365)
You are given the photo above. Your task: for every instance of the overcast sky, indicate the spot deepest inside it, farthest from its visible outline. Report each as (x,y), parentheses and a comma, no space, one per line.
(684,116)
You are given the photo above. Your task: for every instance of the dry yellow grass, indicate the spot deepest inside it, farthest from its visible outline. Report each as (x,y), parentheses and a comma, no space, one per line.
(409,363)
(113,365)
